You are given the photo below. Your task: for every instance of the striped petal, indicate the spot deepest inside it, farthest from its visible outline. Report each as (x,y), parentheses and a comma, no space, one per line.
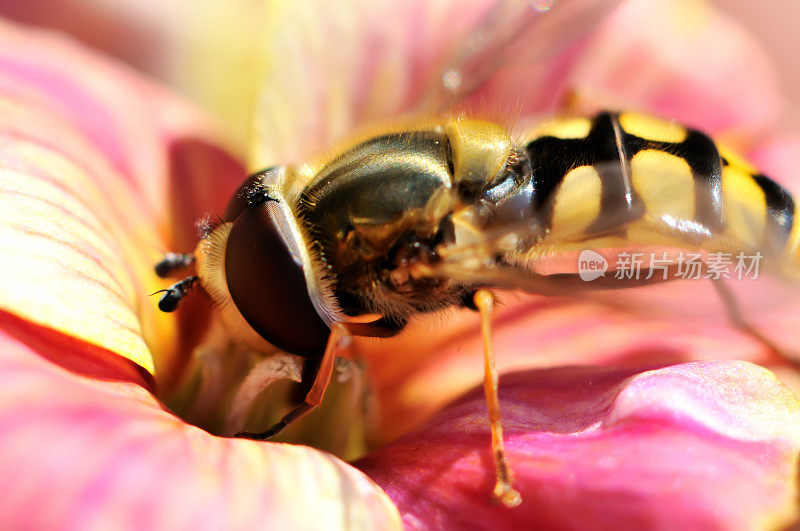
(91,192)
(102,452)
(96,165)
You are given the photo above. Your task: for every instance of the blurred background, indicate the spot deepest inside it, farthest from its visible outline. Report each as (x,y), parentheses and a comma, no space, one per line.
(774,25)
(170,41)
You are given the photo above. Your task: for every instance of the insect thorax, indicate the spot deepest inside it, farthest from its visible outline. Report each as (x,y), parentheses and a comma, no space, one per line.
(381,208)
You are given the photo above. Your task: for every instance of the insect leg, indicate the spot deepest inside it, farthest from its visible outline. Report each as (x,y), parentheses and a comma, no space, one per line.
(738,320)
(503,491)
(316,392)
(174,294)
(173,263)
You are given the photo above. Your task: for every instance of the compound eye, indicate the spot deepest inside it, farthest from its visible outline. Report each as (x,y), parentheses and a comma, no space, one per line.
(247,194)
(268,286)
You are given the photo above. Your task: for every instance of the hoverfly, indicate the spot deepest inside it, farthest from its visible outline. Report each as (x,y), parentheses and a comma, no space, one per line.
(439,214)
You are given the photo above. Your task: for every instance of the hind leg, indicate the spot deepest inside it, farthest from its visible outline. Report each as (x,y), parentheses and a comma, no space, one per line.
(738,320)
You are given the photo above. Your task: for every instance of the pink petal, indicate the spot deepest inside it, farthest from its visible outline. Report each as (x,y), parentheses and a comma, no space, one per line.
(419,373)
(330,116)
(91,159)
(697,445)
(330,70)
(685,60)
(204,49)
(94,159)
(779,155)
(103,453)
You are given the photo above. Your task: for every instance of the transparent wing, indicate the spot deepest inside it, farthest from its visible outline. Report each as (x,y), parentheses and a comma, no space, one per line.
(328,68)
(655,201)
(522,33)
(662,252)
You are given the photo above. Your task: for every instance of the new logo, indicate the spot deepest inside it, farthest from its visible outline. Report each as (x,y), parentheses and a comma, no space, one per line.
(591,265)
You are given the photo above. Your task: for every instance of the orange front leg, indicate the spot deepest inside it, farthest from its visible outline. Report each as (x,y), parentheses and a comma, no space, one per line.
(314,396)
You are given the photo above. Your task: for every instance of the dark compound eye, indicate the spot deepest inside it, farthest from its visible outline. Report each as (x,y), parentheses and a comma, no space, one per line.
(267,285)
(251,191)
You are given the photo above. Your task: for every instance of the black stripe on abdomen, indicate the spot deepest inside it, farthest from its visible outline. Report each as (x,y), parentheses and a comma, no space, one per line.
(553,158)
(780,207)
(701,153)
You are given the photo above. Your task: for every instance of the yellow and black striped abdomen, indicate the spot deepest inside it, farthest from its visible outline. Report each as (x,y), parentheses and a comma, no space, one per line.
(758,211)
(644,181)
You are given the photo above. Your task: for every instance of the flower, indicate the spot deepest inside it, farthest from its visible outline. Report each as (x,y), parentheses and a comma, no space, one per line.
(615,448)
(93,157)
(103,170)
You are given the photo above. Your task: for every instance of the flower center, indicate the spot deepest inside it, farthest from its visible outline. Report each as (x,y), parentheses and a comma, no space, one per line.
(229,388)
